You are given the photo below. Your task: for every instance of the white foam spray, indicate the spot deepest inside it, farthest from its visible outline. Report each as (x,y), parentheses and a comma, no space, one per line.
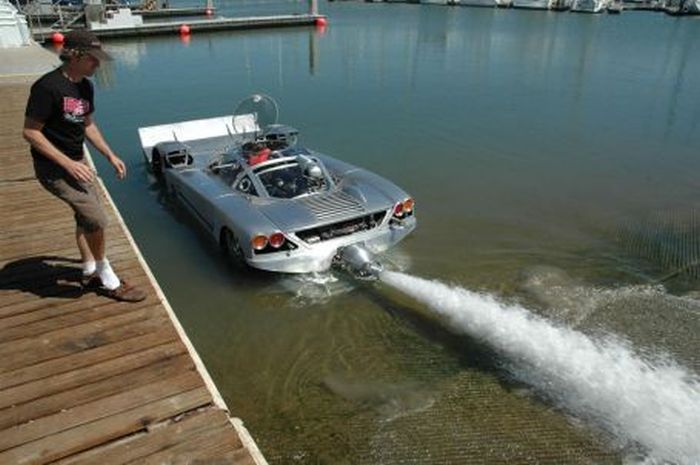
(654,403)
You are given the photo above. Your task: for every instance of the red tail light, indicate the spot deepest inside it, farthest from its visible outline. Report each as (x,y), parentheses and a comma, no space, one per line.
(404,208)
(277,240)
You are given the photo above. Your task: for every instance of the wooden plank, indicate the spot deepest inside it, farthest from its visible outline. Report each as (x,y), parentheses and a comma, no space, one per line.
(30,309)
(35,200)
(43,370)
(74,440)
(28,219)
(85,337)
(29,238)
(57,338)
(101,408)
(43,283)
(31,189)
(26,273)
(65,289)
(202,446)
(17,174)
(54,224)
(54,322)
(46,248)
(20,311)
(160,438)
(41,215)
(104,369)
(50,404)
(59,227)
(17,248)
(44,267)
(31,273)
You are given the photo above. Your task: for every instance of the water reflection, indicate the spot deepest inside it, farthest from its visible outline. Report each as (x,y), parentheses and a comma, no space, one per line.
(129,53)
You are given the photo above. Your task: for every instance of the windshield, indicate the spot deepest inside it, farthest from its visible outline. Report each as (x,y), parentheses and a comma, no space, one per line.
(289,181)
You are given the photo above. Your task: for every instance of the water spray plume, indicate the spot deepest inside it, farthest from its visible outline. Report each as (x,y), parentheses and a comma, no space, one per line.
(652,403)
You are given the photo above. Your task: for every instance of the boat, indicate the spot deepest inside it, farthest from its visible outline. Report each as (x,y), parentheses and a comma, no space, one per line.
(531,4)
(14,31)
(588,6)
(268,201)
(615,7)
(682,7)
(504,3)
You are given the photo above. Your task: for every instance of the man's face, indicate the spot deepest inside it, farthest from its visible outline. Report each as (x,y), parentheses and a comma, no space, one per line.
(87,64)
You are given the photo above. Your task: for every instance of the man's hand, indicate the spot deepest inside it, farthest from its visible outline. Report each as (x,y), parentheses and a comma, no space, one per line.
(79,171)
(93,134)
(119,166)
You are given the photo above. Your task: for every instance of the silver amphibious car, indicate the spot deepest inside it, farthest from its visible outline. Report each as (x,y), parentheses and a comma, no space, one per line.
(268,201)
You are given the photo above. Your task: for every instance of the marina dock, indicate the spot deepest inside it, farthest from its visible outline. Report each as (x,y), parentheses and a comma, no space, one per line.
(85,379)
(48,18)
(197,25)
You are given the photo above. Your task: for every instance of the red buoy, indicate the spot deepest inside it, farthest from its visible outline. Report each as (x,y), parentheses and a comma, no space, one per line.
(184,30)
(321,21)
(57,38)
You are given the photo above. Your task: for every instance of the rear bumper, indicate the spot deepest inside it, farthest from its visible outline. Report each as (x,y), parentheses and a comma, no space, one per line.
(309,258)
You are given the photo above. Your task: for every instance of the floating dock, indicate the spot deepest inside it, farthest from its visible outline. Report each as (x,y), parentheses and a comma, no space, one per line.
(161,13)
(85,379)
(197,25)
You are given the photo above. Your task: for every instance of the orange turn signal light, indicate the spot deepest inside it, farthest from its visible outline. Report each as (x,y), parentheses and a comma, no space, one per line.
(408,205)
(259,242)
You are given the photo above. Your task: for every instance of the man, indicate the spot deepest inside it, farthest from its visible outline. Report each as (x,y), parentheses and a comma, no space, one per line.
(58,119)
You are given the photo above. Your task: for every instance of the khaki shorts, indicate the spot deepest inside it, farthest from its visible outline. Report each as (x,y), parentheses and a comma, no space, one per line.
(82,198)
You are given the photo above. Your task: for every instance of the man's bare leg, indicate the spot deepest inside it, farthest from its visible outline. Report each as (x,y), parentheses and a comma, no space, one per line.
(96,243)
(86,256)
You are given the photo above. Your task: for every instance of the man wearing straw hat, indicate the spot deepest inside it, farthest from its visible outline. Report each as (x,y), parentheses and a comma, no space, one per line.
(58,119)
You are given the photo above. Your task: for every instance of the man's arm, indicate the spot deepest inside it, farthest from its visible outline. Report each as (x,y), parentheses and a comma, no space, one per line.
(93,134)
(32,134)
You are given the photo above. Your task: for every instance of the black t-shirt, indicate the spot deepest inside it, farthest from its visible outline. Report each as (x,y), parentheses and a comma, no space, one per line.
(62,106)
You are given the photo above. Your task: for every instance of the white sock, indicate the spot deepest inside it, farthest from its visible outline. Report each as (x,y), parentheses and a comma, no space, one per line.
(107,275)
(89,267)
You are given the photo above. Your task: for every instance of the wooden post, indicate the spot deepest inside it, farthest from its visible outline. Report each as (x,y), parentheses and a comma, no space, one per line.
(313,7)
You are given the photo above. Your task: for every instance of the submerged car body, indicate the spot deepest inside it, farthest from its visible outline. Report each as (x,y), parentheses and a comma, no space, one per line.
(277,206)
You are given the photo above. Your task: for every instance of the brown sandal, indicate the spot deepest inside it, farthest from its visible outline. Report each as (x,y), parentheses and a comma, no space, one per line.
(124,293)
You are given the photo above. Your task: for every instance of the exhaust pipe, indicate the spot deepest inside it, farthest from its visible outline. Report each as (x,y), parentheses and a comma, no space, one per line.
(358,261)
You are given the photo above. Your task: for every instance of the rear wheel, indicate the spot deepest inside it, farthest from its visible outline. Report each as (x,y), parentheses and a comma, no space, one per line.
(231,247)
(157,164)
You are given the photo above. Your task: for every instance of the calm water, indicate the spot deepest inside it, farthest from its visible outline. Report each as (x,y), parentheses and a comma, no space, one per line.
(554,159)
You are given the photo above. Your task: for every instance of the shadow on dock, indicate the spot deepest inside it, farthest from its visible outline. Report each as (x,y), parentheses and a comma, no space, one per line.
(44,276)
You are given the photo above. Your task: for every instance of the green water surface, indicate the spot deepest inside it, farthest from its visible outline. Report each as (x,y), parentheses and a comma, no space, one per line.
(553,158)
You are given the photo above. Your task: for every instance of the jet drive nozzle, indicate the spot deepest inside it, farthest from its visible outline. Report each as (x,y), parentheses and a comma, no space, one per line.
(359,261)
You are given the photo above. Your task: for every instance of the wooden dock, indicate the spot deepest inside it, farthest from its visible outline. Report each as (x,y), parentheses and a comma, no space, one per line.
(84,379)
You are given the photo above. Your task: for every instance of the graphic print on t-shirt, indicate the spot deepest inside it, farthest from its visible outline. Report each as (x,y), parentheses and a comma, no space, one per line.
(75,109)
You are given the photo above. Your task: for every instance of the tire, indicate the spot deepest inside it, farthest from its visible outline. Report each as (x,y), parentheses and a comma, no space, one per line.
(230,247)
(157,164)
